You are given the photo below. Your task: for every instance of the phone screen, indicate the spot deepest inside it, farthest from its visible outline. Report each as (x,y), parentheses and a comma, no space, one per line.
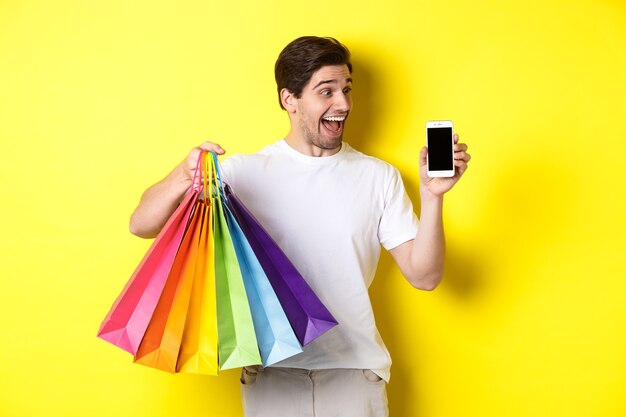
(440,151)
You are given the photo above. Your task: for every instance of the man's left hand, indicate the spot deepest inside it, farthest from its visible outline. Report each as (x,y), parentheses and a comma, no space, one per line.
(438,186)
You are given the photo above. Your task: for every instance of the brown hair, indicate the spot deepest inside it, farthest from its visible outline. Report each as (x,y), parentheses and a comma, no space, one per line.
(302,57)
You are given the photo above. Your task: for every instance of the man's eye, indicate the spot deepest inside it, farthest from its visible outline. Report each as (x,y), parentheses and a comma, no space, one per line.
(325,92)
(347,90)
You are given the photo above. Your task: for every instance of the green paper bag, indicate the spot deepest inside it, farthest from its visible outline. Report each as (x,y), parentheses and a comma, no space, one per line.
(237,343)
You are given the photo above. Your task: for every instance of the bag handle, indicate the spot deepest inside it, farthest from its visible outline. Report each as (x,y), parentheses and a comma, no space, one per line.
(208,176)
(218,175)
(196,172)
(217,185)
(218,171)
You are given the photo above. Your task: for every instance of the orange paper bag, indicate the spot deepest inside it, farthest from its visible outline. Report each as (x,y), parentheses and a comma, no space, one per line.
(198,352)
(160,345)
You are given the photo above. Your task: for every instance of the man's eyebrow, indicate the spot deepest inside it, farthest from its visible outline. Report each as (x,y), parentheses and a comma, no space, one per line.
(348,80)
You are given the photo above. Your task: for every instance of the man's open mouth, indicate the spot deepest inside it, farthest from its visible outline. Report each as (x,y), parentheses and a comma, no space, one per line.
(334,124)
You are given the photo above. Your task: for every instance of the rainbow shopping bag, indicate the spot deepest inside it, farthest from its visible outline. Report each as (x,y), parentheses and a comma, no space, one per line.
(160,345)
(199,352)
(237,341)
(275,337)
(128,318)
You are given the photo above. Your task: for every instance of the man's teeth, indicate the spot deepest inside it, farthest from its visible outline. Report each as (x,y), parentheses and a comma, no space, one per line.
(335,119)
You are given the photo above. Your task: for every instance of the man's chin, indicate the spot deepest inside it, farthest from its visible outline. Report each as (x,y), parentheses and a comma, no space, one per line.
(330,143)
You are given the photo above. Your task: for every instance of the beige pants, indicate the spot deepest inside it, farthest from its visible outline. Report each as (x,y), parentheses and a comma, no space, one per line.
(289,392)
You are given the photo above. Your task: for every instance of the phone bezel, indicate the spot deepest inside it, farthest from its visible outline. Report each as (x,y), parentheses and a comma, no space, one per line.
(434,124)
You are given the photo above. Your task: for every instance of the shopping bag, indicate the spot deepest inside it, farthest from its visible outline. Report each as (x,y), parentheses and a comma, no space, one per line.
(275,337)
(160,345)
(237,343)
(128,318)
(309,318)
(199,352)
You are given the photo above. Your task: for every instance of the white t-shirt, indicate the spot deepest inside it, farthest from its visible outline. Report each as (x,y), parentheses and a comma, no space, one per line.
(330,215)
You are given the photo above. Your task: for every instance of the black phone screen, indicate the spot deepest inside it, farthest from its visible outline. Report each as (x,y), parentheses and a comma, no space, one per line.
(440,151)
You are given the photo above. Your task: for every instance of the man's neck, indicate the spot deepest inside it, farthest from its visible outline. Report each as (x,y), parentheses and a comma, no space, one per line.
(308,149)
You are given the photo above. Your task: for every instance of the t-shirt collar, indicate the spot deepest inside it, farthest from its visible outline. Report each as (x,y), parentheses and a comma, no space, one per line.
(312,159)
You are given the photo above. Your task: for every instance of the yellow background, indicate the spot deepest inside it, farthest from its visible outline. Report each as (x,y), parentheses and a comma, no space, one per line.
(100,99)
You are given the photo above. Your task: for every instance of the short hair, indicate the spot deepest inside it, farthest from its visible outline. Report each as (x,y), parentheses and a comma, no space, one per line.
(302,57)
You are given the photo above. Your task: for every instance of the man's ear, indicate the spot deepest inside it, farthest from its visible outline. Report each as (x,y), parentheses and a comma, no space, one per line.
(288,100)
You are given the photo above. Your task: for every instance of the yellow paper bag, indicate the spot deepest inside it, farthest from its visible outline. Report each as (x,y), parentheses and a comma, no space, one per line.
(198,352)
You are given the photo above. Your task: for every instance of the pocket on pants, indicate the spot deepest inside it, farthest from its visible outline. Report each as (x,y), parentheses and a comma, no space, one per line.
(249,375)
(371,376)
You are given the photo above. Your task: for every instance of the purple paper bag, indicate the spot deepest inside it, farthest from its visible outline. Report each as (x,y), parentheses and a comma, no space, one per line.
(306,313)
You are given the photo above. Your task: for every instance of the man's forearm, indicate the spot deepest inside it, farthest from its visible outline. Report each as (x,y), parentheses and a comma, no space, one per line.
(158,203)
(427,253)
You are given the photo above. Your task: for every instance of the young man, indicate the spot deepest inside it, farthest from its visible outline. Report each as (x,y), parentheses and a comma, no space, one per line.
(330,208)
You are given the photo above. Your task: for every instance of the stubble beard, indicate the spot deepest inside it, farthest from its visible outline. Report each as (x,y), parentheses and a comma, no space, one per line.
(319,140)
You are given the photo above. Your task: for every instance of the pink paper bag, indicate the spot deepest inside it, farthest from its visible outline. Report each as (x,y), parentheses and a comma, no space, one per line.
(126,322)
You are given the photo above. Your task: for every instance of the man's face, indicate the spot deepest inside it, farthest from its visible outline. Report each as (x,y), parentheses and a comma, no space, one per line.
(322,109)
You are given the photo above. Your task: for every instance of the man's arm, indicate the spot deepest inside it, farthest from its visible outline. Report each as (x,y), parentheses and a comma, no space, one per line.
(421,260)
(160,200)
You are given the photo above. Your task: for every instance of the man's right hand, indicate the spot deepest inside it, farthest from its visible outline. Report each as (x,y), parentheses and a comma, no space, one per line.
(189,165)
(160,200)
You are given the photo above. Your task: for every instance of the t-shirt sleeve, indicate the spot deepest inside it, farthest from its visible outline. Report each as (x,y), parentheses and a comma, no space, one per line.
(398,223)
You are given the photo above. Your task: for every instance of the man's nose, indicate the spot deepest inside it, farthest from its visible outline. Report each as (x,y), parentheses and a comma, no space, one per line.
(343,102)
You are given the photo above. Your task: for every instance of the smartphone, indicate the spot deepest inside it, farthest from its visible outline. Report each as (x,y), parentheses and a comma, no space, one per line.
(440,159)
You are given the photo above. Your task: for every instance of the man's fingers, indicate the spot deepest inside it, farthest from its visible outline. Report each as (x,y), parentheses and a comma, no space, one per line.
(461,165)
(462,156)
(460,147)
(456,138)
(214,147)
(423,153)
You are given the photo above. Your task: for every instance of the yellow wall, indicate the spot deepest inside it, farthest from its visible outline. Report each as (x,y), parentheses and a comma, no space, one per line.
(99,99)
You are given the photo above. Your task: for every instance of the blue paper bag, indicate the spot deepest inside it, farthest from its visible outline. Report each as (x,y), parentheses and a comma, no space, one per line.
(275,337)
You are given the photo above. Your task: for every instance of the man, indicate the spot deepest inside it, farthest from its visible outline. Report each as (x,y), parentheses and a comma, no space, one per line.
(330,208)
